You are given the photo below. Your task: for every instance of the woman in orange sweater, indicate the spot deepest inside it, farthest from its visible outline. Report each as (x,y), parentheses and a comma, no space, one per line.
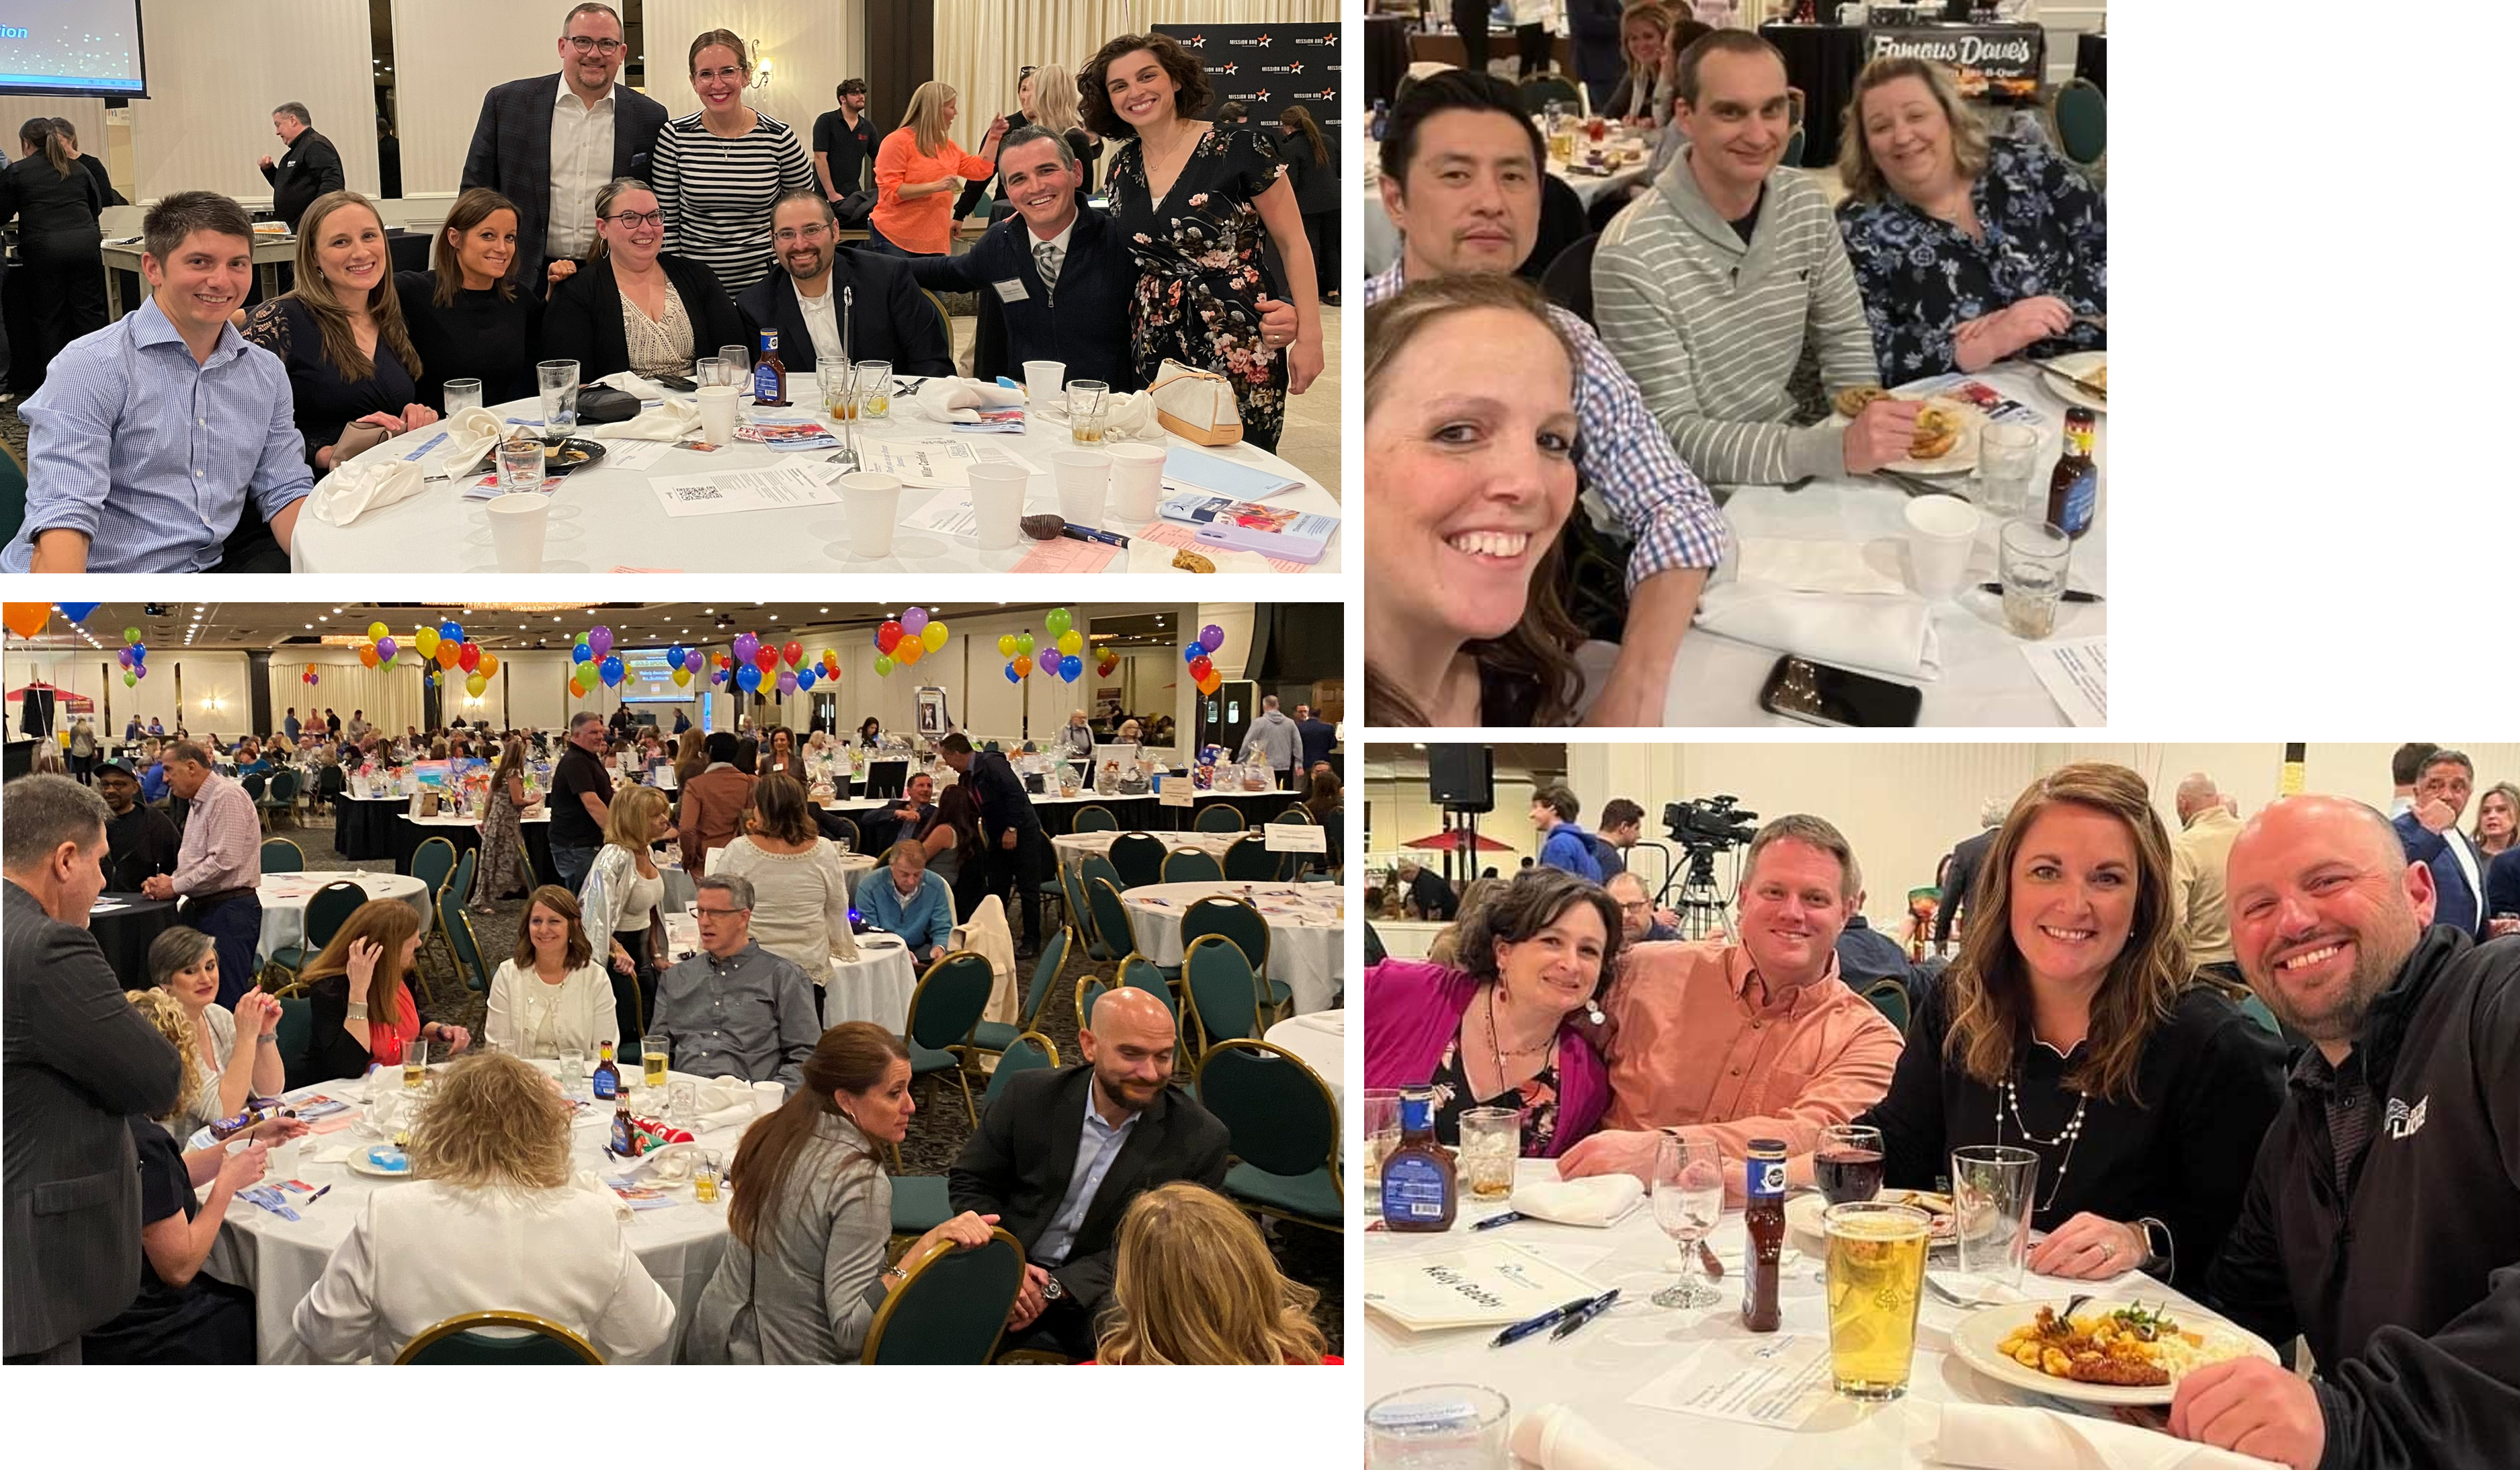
(918,172)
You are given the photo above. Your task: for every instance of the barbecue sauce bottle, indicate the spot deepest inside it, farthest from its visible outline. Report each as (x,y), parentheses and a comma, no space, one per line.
(769,374)
(2074,488)
(1421,1190)
(1766,1219)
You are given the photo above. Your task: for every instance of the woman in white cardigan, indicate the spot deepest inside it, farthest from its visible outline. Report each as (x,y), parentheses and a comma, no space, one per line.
(624,902)
(491,1221)
(551,996)
(800,892)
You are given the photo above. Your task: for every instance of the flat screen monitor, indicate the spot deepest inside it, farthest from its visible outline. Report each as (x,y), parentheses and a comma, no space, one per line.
(647,679)
(72,48)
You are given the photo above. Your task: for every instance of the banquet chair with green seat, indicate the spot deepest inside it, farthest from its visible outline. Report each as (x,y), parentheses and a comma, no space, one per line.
(432,862)
(1299,812)
(1217,816)
(1242,924)
(1284,1132)
(254,784)
(331,905)
(540,1340)
(280,797)
(295,1035)
(944,318)
(1112,916)
(1136,859)
(943,1011)
(461,879)
(1096,866)
(1889,996)
(1224,998)
(12,489)
(995,1036)
(845,832)
(920,1202)
(1075,885)
(1249,860)
(1793,155)
(951,1307)
(459,938)
(2077,118)
(1092,817)
(1089,990)
(1192,865)
(1539,91)
(1138,973)
(280,855)
(2256,1010)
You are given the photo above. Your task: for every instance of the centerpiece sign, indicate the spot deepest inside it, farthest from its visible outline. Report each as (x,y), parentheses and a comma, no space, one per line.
(1998,61)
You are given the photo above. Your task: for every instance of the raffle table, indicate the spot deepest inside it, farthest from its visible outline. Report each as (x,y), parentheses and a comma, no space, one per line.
(1994,62)
(363,826)
(1307,930)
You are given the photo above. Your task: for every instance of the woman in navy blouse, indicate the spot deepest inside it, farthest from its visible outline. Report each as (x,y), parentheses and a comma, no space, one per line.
(1968,249)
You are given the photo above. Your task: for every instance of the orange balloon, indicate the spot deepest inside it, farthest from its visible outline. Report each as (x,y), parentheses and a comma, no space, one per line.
(576,690)
(1023,665)
(368,655)
(909,651)
(26,619)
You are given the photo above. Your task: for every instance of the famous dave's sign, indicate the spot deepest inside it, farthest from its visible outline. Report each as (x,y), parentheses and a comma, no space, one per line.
(1999,60)
(1267,68)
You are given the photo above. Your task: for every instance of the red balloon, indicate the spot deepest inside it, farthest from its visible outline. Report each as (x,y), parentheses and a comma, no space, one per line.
(767,659)
(471,658)
(793,653)
(1199,668)
(723,661)
(888,636)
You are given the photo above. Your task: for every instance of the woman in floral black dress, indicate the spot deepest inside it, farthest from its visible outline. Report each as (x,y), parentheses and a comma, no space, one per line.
(1197,239)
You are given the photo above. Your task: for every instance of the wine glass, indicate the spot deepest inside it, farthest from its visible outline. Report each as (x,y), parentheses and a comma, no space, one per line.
(1687,1199)
(1847,1167)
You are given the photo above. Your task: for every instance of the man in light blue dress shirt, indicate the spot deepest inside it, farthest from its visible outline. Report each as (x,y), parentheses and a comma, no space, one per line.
(148,436)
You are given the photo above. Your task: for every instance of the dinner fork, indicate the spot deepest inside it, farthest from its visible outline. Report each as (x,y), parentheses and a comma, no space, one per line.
(1954,1297)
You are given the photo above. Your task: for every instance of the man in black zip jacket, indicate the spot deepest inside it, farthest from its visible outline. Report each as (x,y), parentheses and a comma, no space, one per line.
(2382,1223)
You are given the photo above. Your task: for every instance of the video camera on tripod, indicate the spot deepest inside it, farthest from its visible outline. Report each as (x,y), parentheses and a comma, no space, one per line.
(1704,827)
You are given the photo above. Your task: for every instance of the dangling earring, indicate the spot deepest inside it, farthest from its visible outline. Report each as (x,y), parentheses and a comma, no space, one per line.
(1593,1009)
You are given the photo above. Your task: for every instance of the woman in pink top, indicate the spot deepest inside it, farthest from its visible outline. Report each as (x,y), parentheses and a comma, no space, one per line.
(1504,1032)
(918,172)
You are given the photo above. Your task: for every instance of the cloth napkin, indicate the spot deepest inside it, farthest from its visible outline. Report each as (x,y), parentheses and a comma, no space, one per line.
(986,933)
(959,400)
(1997,1437)
(1884,634)
(1554,1437)
(1599,1201)
(723,1102)
(369,483)
(672,421)
(1820,566)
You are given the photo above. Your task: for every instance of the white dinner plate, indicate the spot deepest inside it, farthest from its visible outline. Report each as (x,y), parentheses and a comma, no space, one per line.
(2079,365)
(1978,1333)
(360,1164)
(1962,457)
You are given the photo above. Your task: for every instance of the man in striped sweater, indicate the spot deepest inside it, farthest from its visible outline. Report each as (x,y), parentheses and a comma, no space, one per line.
(1708,286)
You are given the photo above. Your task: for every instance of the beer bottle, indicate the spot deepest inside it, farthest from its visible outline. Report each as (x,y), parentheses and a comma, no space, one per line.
(608,1076)
(769,374)
(1419,1188)
(2074,490)
(1766,1219)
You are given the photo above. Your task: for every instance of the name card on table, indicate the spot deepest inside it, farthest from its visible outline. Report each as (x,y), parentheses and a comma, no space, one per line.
(1175,791)
(1295,836)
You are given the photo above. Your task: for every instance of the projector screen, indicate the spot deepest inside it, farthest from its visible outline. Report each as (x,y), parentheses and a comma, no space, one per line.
(76,48)
(647,679)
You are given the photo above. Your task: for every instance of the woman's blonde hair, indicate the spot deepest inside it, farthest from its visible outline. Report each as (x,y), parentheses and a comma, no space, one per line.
(492,1122)
(1989,983)
(332,319)
(926,118)
(390,924)
(1194,1282)
(1855,168)
(1054,100)
(175,1024)
(1642,77)
(2507,792)
(631,821)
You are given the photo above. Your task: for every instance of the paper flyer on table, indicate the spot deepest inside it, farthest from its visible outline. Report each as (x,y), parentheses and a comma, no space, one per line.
(2076,674)
(1060,554)
(1777,1382)
(1163,538)
(1488,1284)
(634,454)
(946,515)
(730,490)
(939,462)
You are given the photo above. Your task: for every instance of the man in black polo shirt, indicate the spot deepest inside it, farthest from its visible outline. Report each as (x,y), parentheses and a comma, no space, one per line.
(1010,829)
(1427,892)
(843,142)
(309,170)
(581,798)
(2382,1220)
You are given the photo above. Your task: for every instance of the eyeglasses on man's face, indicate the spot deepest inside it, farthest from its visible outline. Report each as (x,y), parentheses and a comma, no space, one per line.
(812,234)
(630,221)
(585,45)
(707,914)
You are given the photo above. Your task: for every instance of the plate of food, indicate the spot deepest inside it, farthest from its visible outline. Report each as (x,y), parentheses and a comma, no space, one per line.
(1946,430)
(2085,383)
(1803,1214)
(384,1161)
(2096,1352)
(561,457)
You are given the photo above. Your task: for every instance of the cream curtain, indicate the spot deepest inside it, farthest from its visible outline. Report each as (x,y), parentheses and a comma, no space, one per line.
(390,696)
(982,44)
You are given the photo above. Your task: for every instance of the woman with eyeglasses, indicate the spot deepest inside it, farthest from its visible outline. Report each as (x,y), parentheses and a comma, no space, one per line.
(721,170)
(633,308)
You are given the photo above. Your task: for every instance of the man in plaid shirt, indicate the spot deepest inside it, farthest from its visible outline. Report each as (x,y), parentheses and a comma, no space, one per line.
(219,866)
(1461,169)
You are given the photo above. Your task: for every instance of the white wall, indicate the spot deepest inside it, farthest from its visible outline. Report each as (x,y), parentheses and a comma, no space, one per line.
(201,678)
(215,73)
(447,54)
(811,49)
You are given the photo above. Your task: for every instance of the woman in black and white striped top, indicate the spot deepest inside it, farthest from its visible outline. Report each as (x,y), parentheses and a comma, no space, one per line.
(719,170)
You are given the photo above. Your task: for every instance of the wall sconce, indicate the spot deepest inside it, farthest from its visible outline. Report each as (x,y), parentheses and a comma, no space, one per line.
(760,68)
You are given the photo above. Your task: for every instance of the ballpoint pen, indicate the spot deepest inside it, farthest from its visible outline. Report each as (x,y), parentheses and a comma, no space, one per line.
(1550,1318)
(1597,1305)
(2069,595)
(1493,1220)
(1088,534)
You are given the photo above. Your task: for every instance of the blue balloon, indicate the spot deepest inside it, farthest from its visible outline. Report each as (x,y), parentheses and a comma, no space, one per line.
(1011,677)
(451,630)
(139,651)
(611,669)
(1070,667)
(805,677)
(76,611)
(747,676)
(579,653)
(675,655)
(1193,654)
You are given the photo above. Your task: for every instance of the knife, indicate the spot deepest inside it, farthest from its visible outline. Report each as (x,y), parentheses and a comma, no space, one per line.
(2070,595)
(1590,1309)
(2100,393)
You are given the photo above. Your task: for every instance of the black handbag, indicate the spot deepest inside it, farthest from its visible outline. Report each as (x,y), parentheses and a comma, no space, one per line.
(599,403)
(853,212)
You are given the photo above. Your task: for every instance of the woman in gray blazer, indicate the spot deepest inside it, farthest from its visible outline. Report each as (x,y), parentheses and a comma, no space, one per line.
(803,1271)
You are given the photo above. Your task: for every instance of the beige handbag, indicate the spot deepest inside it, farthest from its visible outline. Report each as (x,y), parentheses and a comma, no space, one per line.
(1197,405)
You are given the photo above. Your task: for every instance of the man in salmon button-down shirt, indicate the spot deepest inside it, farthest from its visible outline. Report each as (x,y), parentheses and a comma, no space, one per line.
(1755,1039)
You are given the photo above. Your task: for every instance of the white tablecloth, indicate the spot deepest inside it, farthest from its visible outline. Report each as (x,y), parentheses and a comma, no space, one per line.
(281,1260)
(1596,1371)
(1986,680)
(1307,933)
(604,518)
(285,896)
(1073,847)
(1408,938)
(1319,1039)
(875,987)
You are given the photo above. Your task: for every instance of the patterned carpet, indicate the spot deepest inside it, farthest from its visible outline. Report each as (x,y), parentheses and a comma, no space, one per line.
(939,1129)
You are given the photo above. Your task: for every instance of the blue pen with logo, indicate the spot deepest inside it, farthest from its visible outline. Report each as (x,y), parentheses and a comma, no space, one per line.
(1597,1305)
(1550,1318)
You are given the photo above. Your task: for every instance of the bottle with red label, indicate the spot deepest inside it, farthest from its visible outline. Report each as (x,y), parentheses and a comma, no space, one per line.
(1765,1219)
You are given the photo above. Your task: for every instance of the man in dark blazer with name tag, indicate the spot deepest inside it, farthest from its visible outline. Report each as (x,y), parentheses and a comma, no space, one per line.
(1062,274)
(550,143)
(77,1062)
(887,320)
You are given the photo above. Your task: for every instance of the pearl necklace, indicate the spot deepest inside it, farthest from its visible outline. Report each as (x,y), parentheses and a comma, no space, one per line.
(2009,1099)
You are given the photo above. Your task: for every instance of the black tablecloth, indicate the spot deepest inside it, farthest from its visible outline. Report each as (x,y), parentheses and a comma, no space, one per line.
(407,836)
(1823,61)
(1132,813)
(363,830)
(1386,56)
(125,935)
(2091,59)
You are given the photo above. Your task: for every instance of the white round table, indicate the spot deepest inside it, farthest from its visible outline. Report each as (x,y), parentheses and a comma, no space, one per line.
(285,896)
(1072,847)
(876,986)
(1307,930)
(607,518)
(1408,938)
(1320,1040)
(280,1259)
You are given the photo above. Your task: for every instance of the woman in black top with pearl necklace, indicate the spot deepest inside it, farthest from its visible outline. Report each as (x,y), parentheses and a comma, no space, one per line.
(2071,1025)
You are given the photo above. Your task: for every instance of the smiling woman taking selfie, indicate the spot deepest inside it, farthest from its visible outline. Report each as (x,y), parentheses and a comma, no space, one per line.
(466,315)
(353,371)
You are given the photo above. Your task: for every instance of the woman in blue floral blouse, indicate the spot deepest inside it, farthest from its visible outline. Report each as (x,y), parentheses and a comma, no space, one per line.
(1968,249)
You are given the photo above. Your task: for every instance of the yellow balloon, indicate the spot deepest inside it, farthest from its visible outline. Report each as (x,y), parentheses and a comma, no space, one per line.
(425,640)
(934,636)
(682,678)
(1072,642)
(474,685)
(1007,645)
(376,631)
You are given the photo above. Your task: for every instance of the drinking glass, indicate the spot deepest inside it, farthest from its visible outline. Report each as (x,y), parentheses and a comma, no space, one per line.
(572,1066)
(2030,562)
(874,389)
(2006,457)
(738,362)
(658,1053)
(1687,1199)
(1443,1426)
(1992,1184)
(1847,1168)
(558,380)
(415,1062)
(704,1176)
(682,1106)
(461,393)
(1491,1140)
(832,379)
(1088,405)
(1381,1136)
(1875,1272)
(520,465)
(708,372)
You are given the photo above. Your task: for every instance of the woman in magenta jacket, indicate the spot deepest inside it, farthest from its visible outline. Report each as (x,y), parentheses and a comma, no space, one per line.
(1502,1031)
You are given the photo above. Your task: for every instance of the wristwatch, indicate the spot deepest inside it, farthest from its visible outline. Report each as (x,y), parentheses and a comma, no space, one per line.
(896,1273)
(2160,1261)
(1051,1291)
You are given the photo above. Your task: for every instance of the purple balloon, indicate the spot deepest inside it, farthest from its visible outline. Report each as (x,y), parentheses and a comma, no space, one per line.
(123,658)
(599,639)
(1211,637)
(746,646)
(695,661)
(914,621)
(386,648)
(787,681)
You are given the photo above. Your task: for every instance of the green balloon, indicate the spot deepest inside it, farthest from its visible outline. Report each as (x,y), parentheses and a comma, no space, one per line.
(129,679)
(883,666)
(1056,621)
(1023,643)
(586,676)
(131,636)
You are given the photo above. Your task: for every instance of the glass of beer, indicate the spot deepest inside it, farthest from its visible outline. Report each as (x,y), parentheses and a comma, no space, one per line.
(660,1052)
(1875,1272)
(874,389)
(704,1178)
(415,1062)
(1491,1140)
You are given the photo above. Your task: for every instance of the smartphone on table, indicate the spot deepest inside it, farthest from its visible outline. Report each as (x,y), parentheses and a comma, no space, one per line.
(1821,694)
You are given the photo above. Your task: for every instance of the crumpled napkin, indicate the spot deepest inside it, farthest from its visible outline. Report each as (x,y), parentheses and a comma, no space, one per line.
(673,420)
(1996,1437)
(723,1102)
(1598,1200)
(1800,566)
(365,483)
(958,400)
(1890,634)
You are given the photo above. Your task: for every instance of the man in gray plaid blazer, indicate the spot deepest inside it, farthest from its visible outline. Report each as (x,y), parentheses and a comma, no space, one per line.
(550,143)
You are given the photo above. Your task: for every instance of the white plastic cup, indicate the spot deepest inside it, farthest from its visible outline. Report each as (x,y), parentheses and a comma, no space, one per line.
(1043,380)
(517,524)
(874,502)
(717,413)
(997,503)
(767,1096)
(1941,530)
(1137,481)
(1084,480)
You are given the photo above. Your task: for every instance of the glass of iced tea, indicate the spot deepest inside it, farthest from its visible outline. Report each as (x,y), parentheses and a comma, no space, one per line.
(1875,1274)
(832,378)
(415,1062)
(1491,1140)
(1087,406)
